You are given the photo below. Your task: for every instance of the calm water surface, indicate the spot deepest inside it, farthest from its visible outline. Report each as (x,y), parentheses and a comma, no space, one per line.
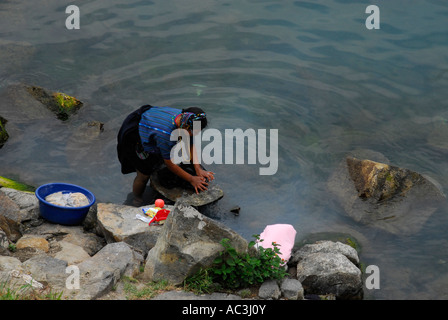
(310,69)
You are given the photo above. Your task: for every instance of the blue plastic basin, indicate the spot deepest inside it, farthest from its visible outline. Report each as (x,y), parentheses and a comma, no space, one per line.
(60,214)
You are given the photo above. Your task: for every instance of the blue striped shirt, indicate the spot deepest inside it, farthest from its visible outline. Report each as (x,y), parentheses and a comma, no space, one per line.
(155,129)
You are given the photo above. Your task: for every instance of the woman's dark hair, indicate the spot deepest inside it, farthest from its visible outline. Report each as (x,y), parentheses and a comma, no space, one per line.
(197,111)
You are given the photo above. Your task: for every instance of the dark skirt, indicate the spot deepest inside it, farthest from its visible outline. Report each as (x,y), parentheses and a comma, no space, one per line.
(128,142)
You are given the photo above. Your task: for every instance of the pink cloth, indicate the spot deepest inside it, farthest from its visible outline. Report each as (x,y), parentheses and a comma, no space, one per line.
(282,234)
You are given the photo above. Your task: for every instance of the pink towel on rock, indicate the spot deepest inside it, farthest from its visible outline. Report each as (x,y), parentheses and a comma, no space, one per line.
(282,234)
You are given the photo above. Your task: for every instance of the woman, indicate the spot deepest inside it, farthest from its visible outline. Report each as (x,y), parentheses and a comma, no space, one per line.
(144,144)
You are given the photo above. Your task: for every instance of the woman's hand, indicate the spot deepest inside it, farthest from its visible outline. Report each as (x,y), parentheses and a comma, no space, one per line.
(199,183)
(208,175)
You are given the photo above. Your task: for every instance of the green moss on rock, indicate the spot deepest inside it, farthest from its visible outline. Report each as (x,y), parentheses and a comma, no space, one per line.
(13,184)
(59,103)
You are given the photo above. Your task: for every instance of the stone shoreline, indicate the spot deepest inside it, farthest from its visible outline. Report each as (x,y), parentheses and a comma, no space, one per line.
(111,244)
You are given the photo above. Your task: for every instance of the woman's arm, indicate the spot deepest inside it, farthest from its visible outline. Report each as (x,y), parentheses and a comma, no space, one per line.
(197,167)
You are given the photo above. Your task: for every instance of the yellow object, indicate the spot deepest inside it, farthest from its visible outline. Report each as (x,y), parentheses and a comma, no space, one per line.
(151,212)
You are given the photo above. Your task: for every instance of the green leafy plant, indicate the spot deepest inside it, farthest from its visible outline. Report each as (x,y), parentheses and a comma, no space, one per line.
(12,247)
(234,269)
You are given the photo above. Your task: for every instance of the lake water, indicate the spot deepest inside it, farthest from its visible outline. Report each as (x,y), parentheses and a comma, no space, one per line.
(310,69)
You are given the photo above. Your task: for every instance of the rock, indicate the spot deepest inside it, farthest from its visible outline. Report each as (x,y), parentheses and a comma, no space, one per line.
(118,223)
(269,290)
(15,57)
(8,264)
(89,242)
(188,241)
(326,246)
(181,189)
(16,209)
(323,271)
(4,241)
(292,289)
(84,142)
(384,196)
(10,270)
(47,270)
(26,279)
(61,104)
(235,210)
(438,136)
(3,133)
(19,107)
(101,272)
(378,180)
(185,295)
(31,241)
(71,253)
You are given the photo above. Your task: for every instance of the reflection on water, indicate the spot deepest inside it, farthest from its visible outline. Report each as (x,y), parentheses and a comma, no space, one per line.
(307,68)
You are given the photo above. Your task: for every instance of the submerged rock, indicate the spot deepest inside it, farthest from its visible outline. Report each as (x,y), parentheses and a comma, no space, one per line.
(3,133)
(59,103)
(438,136)
(380,181)
(84,143)
(19,107)
(174,188)
(388,197)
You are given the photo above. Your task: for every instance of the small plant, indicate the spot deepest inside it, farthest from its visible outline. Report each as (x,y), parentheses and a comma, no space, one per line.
(143,291)
(12,247)
(11,291)
(199,283)
(234,269)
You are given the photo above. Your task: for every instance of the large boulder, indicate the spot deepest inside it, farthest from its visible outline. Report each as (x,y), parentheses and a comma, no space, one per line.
(326,246)
(328,267)
(188,241)
(47,270)
(119,223)
(17,208)
(378,194)
(100,273)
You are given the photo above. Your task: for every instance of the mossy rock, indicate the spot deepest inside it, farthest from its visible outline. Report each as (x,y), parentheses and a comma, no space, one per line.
(380,181)
(13,184)
(376,194)
(3,133)
(59,103)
